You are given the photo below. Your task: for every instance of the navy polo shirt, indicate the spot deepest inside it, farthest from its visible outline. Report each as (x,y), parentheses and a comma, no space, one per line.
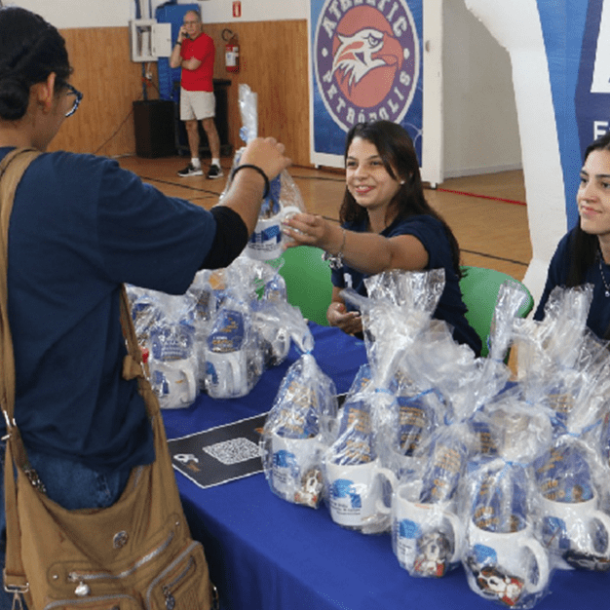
(431,233)
(81,226)
(598,318)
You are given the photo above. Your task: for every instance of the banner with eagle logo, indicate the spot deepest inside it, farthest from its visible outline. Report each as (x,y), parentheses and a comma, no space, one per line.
(366,63)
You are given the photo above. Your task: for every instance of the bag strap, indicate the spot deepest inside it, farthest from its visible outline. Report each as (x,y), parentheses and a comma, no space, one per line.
(12,169)
(133,366)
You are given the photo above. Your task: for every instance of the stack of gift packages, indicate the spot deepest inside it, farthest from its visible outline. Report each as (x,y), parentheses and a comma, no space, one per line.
(460,461)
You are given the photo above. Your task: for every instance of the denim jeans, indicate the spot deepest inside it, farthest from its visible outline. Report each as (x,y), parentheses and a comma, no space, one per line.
(68,483)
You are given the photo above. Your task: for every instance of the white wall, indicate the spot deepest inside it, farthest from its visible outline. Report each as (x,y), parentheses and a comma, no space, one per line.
(80,13)
(480,121)
(517,27)
(221,11)
(115,13)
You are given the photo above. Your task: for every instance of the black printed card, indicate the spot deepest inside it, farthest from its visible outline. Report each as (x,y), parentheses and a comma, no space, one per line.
(224,453)
(221,454)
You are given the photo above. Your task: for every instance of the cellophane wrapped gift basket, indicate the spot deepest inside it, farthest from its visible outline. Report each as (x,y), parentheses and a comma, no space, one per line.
(300,425)
(383,419)
(462,463)
(571,377)
(220,336)
(281,201)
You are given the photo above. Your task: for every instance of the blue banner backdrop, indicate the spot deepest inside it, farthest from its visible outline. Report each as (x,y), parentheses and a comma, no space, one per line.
(577,40)
(366,59)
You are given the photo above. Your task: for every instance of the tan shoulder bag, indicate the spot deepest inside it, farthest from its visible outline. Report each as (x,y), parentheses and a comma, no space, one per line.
(137,553)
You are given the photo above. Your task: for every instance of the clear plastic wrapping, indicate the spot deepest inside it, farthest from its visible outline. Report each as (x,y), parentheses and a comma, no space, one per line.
(503,558)
(356,479)
(553,344)
(415,416)
(232,356)
(520,431)
(397,311)
(165,327)
(233,363)
(565,368)
(297,430)
(574,524)
(511,297)
(385,415)
(427,535)
(219,336)
(283,200)
(146,312)
(248,109)
(208,290)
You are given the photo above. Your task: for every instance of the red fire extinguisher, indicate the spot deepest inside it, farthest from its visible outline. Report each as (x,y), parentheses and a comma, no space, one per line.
(231,51)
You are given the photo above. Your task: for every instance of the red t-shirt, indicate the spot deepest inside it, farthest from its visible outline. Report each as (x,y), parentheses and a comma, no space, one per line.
(202,48)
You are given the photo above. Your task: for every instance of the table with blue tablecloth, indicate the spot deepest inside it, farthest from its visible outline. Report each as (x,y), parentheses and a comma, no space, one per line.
(268,554)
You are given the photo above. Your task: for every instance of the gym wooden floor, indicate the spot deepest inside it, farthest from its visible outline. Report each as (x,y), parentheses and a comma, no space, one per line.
(487,213)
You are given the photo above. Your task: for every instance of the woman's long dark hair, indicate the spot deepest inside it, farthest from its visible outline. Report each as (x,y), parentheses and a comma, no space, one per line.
(584,246)
(397,152)
(30,50)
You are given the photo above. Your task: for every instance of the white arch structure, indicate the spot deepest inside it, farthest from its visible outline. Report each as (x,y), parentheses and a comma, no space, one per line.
(516,26)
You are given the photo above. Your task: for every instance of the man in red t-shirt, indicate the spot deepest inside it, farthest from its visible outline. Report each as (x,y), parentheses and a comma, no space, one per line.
(194,52)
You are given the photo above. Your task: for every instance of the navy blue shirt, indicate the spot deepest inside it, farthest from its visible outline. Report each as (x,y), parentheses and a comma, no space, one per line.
(431,233)
(80,227)
(598,319)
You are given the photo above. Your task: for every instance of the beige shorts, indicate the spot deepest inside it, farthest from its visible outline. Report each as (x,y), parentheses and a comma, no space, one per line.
(196,105)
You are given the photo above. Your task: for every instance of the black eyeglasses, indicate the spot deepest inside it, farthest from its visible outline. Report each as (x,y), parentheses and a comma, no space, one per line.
(78,96)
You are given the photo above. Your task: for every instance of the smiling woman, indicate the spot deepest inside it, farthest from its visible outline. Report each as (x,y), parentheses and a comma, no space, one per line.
(386,224)
(593,199)
(367,179)
(583,254)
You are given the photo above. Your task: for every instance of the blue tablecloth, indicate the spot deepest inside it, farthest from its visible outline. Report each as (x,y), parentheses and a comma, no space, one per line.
(267,554)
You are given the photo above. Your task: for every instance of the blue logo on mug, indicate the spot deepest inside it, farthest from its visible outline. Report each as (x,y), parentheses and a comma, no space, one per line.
(484,554)
(344,488)
(409,529)
(272,233)
(285,459)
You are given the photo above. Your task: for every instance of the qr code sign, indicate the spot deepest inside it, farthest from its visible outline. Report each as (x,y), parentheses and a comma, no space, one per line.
(234,451)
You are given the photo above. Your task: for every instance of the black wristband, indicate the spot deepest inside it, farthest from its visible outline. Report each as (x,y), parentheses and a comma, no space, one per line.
(178,41)
(259,170)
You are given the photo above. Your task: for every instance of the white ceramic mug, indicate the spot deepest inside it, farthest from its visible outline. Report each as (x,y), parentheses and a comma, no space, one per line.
(267,240)
(175,382)
(295,470)
(355,492)
(569,528)
(428,538)
(501,564)
(226,373)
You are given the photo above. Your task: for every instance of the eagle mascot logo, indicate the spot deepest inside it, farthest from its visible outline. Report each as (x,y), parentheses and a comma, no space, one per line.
(365,53)
(367,61)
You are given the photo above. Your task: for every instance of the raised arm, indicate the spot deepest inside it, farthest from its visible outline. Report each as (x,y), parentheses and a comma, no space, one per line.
(368,252)
(247,187)
(175,59)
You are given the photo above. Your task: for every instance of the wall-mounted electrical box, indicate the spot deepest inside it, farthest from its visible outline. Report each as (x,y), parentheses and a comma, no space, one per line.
(150,40)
